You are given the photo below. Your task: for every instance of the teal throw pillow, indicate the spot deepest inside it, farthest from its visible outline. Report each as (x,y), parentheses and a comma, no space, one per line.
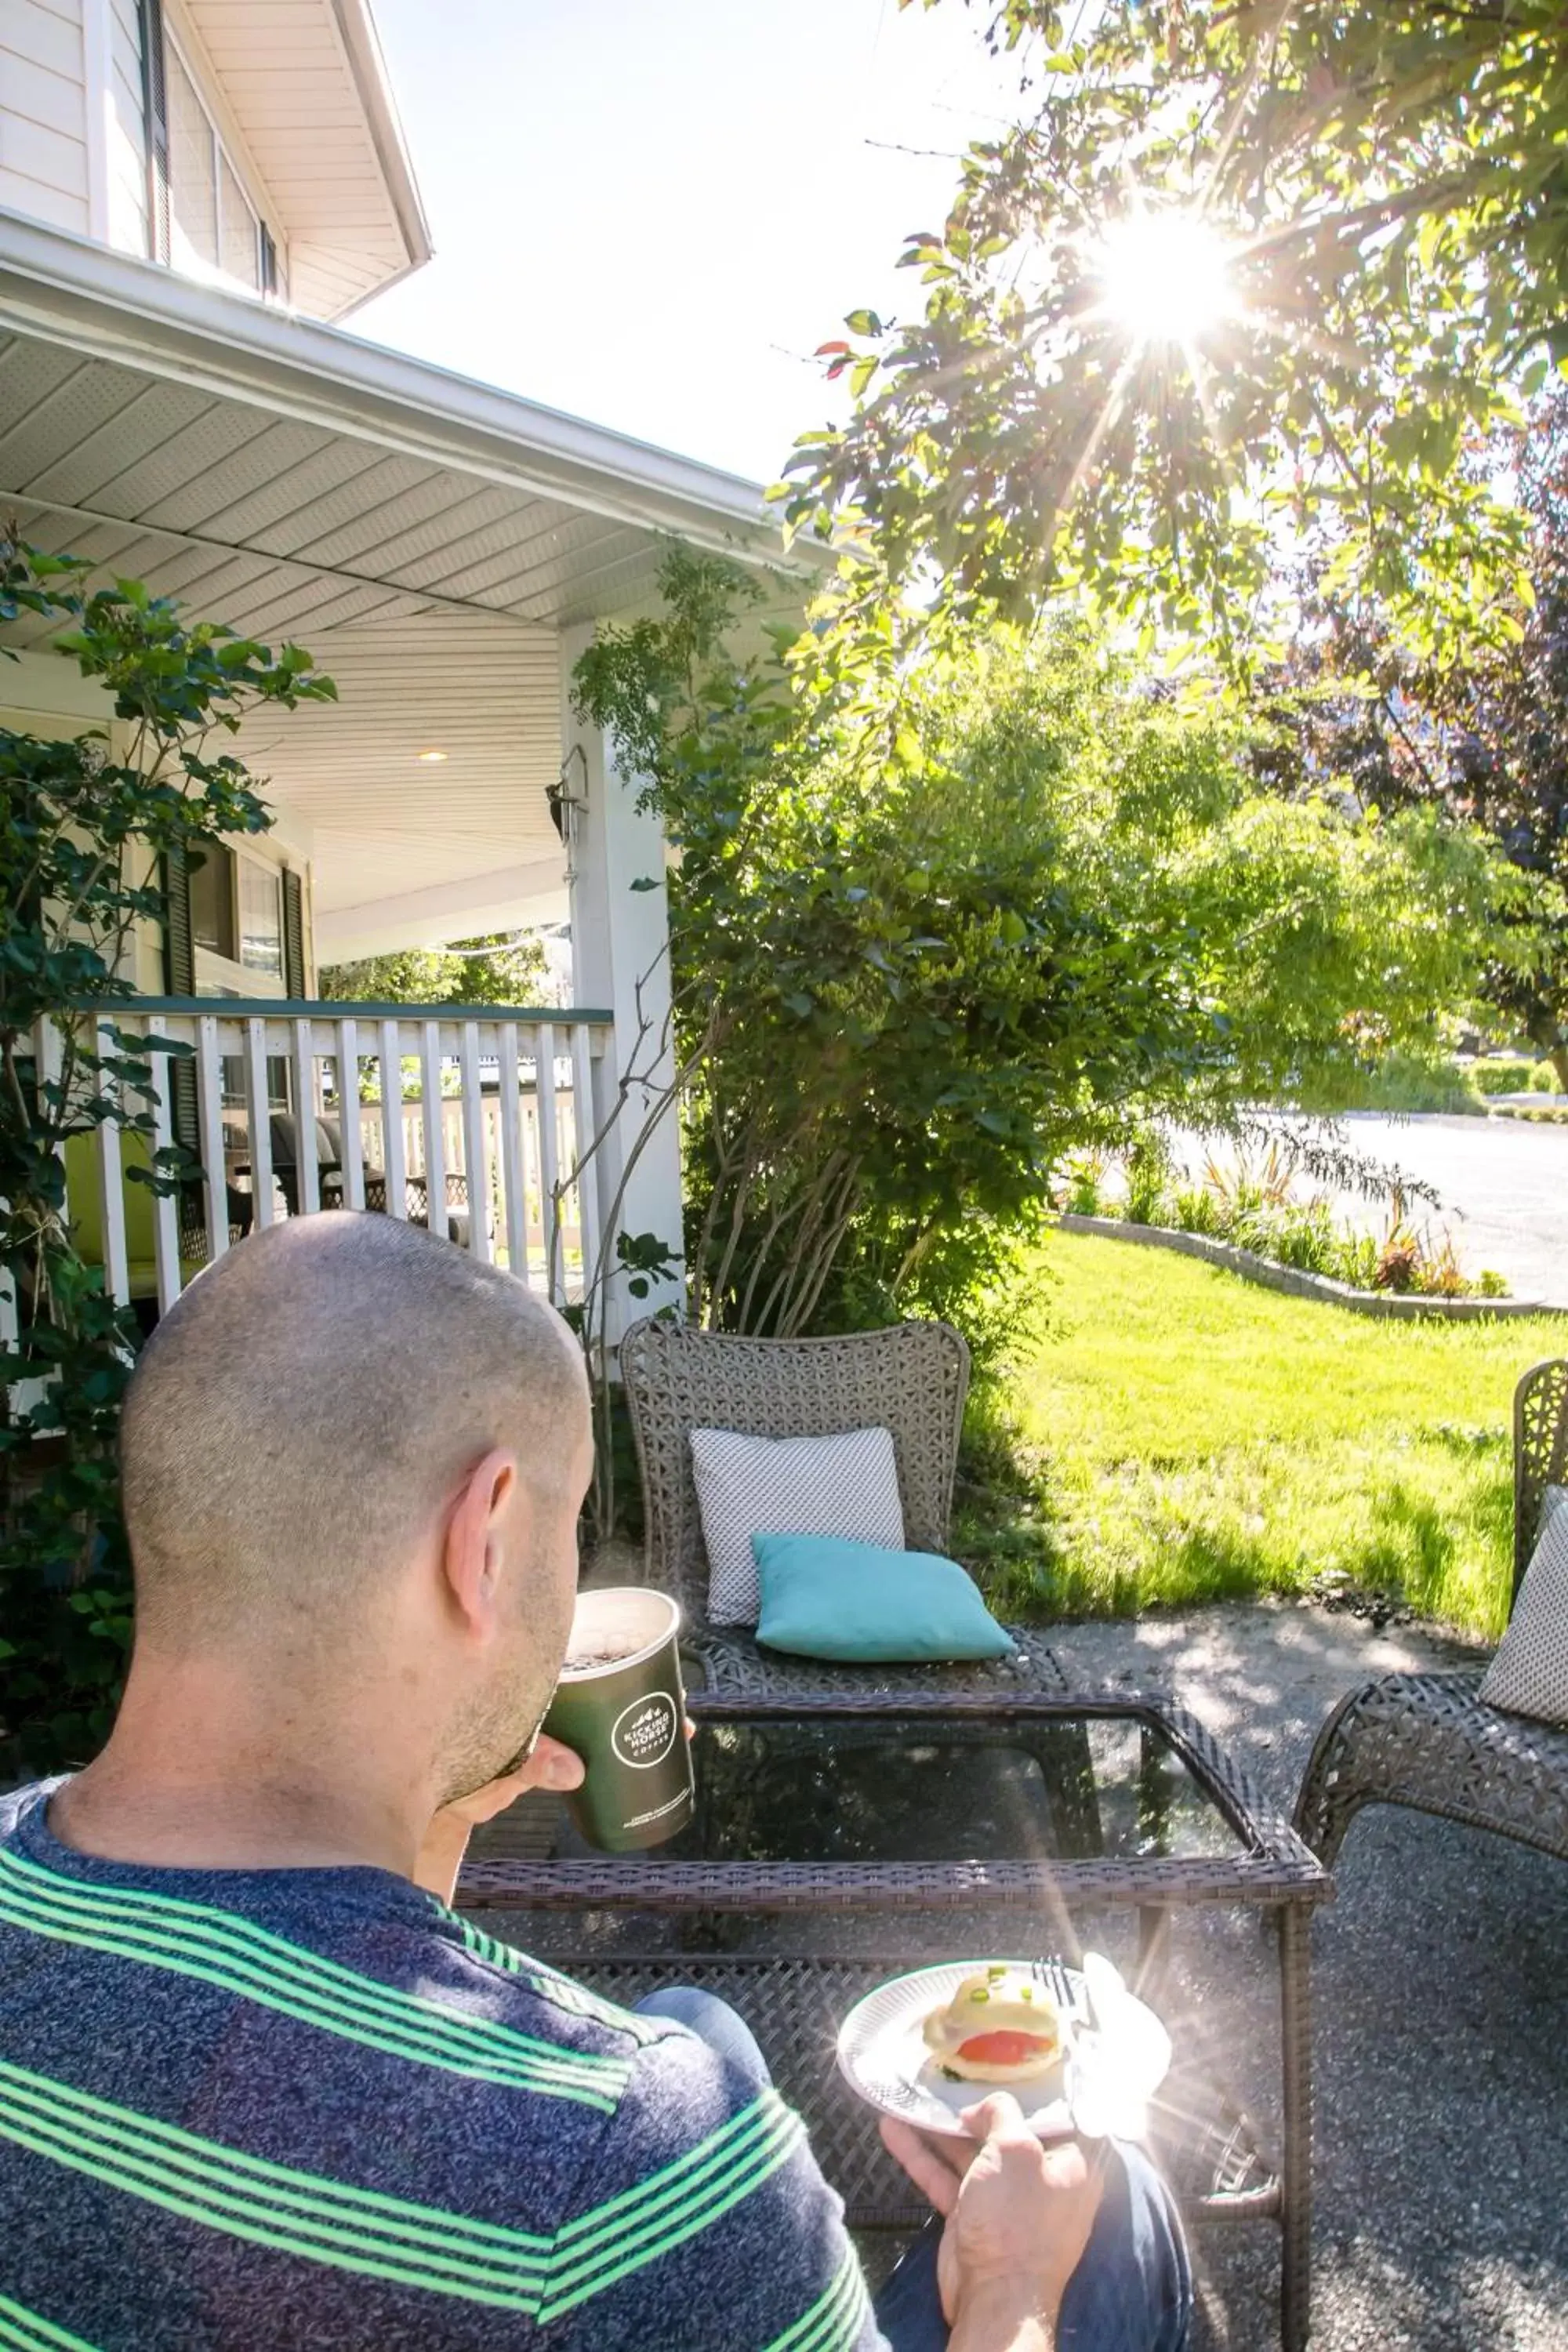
(826,1597)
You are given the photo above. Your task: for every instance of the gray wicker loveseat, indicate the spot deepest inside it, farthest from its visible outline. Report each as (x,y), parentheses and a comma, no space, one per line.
(1427,1740)
(912,1380)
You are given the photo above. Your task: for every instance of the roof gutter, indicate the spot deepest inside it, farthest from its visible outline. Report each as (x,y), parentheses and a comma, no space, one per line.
(113,306)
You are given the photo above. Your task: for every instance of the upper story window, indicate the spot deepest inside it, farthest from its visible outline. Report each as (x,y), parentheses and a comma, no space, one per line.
(213,224)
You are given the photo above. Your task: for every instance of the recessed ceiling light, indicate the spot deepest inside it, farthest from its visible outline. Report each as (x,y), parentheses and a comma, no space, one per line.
(433,757)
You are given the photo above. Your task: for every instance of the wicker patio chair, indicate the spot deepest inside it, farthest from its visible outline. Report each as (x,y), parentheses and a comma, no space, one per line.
(1426,1740)
(912,1380)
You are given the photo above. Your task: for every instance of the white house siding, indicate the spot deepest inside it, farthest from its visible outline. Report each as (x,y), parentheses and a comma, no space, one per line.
(127,131)
(43,120)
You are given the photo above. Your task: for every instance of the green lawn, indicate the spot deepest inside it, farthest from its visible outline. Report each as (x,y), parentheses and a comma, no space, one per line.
(1203,1439)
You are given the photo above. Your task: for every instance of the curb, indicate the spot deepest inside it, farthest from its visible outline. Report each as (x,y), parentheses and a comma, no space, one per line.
(1397,1305)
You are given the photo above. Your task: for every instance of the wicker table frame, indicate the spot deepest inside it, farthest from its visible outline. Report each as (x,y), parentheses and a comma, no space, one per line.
(1275,1871)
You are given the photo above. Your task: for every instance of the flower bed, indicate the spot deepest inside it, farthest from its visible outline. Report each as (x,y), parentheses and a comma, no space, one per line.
(1248,1216)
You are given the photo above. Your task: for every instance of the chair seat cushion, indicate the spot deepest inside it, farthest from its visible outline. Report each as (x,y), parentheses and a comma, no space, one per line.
(843,1485)
(1529,1674)
(825,1597)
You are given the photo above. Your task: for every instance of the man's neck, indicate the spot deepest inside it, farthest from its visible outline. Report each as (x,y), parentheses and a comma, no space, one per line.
(202,1774)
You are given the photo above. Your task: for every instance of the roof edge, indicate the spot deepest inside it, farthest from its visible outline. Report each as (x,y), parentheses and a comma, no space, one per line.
(116,306)
(367,63)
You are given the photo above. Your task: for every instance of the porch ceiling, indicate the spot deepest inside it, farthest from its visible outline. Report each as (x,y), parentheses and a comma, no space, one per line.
(284,474)
(425,537)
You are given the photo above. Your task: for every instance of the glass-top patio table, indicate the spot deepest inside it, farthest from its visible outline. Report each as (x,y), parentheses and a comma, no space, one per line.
(837,1840)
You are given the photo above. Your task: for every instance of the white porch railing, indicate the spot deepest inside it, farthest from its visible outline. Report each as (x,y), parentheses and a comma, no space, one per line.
(472,1119)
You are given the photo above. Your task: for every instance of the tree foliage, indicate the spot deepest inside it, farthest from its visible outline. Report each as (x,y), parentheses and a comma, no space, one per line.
(501,968)
(1484,737)
(1389,177)
(85,825)
(904,992)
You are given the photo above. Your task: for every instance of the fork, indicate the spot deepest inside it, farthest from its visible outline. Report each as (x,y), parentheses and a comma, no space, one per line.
(1051,1974)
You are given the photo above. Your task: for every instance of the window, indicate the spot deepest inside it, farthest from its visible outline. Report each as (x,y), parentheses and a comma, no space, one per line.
(261,918)
(212,900)
(237,909)
(213,224)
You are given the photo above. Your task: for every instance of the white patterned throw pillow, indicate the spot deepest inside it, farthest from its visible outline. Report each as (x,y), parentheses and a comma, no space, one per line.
(1529,1674)
(845,1484)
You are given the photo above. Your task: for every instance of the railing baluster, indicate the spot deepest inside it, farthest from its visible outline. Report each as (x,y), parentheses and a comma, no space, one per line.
(583,1128)
(209,1127)
(165,1205)
(259,1109)
(307,1174)
(511,1149)
(550,1209)
(474,1155)
(517,1151)
(111,1177)
(392,1153)
(433,1123)
(348,1114)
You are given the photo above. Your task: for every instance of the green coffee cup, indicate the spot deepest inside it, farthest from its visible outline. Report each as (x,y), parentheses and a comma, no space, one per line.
(621,1705)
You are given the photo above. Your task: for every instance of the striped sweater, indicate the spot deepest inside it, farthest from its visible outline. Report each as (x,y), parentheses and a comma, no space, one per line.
(242,2110)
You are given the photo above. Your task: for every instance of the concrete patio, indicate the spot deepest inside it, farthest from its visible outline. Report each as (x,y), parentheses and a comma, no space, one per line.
(1442,2016)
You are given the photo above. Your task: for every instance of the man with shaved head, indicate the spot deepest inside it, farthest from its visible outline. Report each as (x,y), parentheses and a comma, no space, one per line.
(260,2088)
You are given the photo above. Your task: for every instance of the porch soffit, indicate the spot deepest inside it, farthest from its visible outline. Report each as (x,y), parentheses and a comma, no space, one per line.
(386,826)
(426,538)
(283,475)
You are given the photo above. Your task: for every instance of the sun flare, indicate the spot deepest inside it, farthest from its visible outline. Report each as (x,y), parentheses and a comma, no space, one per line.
(1166,277)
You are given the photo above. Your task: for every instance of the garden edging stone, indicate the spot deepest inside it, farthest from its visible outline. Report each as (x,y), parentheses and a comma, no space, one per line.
(1270,1275)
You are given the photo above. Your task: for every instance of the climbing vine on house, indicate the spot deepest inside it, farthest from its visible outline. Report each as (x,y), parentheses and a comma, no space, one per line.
(89,825)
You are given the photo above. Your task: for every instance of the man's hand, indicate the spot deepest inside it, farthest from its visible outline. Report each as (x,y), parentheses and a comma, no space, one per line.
(548,1765)
(1018,2213)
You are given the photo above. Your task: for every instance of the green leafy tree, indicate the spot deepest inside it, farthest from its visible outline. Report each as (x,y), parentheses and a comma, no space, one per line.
(1375,192)
(1057,907)
(1484,737)
(86,825)
(502,967)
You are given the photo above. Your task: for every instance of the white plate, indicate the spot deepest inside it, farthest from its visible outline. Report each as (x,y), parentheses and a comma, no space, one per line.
(1115,2054)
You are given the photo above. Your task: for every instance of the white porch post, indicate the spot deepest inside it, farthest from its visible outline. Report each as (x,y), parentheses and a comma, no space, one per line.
(620,961)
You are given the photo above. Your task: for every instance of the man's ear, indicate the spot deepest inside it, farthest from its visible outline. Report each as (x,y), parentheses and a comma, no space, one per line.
(472,1557)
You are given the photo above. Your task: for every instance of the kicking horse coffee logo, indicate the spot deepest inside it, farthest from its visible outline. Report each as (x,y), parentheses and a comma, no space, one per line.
(644,1733)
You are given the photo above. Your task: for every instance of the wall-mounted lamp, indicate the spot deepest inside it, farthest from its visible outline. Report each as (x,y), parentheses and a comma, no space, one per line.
(566,808)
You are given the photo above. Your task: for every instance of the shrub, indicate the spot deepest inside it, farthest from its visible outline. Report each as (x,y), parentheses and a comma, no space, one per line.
(1355,1261)
(1402,1082)
(1148,1182)
(1197,1211)
(1398,1261)
(1506,1074)
(1082,1191)
(89,826)
(1439,1272)
(1306,1238)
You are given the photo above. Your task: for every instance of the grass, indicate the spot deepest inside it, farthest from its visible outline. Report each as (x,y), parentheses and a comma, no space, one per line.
(1198,1439)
